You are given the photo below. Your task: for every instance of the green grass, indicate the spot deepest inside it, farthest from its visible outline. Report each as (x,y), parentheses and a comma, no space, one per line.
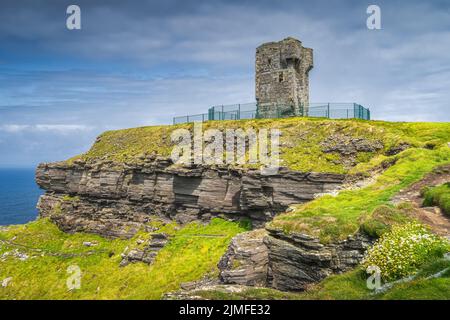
(352,286)
(422,288)
(382,218)
(247,294)
(347,286)
(404,249)
(438,196)
(300,141)
(334,218)
(187,257)
(329,218)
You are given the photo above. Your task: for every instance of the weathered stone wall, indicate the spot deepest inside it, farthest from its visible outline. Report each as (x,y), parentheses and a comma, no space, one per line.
(282,76)
(115,199)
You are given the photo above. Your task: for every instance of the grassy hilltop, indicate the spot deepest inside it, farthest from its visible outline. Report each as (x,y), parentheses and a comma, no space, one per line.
(300,141)
(306,145)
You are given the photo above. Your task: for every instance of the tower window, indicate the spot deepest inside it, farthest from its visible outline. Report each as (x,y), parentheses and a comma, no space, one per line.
(280,77)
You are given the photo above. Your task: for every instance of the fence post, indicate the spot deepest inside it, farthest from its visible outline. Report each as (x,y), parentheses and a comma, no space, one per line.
(239,112)
(328,110)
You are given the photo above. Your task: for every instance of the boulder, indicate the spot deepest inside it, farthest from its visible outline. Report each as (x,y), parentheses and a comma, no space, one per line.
(297,260)
(246,260)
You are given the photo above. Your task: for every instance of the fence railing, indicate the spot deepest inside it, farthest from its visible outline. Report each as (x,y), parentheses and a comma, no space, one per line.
(250,111)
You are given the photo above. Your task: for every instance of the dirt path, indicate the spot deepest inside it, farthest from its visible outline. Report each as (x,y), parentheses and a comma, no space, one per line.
(431,216)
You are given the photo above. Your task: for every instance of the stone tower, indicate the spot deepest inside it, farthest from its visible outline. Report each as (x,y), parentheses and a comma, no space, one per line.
(282,84)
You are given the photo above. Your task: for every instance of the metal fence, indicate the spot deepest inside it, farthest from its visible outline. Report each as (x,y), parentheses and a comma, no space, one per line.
(250,111)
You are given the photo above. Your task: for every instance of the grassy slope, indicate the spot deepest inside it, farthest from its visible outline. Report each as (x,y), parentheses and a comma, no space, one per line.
(301,150)
(300,140)
(438,196)
(346,209)
(187,257)
(352,286)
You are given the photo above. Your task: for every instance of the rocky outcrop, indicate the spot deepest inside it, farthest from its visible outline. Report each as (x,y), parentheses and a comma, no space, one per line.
(348,148)
(148,252)
(246,260)
(348,145)
(115,200)
(286,262)
(396,149)
(298,260)
(207,291)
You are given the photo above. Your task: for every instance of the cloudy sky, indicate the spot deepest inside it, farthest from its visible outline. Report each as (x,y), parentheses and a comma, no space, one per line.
(138,63)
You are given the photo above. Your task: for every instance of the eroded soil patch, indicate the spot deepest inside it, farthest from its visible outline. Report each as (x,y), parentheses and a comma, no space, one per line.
(432,216)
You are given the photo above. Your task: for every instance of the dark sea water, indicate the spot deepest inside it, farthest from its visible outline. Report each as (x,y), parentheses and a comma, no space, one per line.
(18,196)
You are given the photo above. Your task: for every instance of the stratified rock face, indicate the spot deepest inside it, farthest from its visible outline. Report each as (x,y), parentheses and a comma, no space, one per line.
(349,147)
(298,260)
(116,199)
(148,253)
(246,260)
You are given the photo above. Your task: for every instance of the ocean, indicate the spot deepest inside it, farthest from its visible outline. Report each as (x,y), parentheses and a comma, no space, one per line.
(18,196)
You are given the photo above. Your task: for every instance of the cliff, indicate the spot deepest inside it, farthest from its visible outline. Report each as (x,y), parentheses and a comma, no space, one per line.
(316,217)
(127,177)
(116,200)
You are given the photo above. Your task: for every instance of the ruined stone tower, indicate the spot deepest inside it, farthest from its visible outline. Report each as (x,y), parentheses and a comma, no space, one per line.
(282,84)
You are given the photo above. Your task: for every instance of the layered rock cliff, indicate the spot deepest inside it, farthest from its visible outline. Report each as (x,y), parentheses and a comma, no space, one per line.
(115,200)
(124,182)
(287,262)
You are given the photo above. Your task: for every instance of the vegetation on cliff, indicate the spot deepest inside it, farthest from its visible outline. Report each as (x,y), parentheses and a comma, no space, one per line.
(36,257)
(336,217)
(352,285)
(429,276)
(402,251)
(307,144)
(408,151)
(438,196)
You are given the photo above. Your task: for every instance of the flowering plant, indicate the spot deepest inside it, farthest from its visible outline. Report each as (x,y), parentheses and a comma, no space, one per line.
(401,251)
